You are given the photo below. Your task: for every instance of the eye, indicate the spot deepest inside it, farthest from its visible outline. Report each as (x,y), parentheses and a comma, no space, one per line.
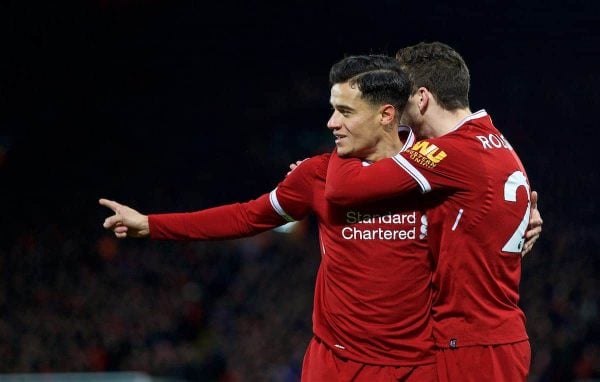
(345,112)
(342,110)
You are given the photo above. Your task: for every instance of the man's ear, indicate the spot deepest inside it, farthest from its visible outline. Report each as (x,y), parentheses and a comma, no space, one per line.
(387,114)
(425,97)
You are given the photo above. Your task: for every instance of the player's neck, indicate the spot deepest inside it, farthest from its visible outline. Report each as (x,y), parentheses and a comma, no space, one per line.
(443,121)
(386,148)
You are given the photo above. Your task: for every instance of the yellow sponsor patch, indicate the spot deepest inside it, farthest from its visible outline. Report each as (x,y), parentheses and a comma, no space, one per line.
(426,154)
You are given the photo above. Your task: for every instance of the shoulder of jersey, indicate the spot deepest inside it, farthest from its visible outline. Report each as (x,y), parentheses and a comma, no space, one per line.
(321,163)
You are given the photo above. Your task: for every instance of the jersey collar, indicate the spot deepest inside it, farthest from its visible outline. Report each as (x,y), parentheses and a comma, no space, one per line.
(478,114)
(410,139)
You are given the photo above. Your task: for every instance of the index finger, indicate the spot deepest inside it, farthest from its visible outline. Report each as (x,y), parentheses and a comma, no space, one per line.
(534,199)
(110,204)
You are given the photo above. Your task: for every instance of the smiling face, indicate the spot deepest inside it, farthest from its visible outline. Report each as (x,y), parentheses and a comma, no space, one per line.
(355,123)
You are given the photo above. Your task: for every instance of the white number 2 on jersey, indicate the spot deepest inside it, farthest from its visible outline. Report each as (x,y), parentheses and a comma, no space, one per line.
(514,181)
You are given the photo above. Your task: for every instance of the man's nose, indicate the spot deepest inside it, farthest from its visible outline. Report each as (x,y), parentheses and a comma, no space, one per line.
(333,122)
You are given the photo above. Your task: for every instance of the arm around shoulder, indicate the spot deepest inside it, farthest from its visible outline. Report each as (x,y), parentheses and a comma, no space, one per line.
(350,183)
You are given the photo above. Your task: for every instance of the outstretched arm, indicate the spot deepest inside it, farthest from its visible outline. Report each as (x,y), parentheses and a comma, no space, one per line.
(534,229)
(291,200)
(224,222)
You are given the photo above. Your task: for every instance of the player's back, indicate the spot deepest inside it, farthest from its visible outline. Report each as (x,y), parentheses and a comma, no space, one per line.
(476,229)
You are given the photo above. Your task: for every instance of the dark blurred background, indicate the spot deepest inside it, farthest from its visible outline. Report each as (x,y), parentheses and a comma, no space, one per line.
(181,105)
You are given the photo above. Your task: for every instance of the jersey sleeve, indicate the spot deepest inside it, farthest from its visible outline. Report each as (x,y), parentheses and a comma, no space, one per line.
(291,200)
(349,182)
(223,222)
(424,166)
(293,197)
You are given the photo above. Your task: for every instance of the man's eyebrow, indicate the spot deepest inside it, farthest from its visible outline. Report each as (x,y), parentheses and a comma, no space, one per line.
(342,107)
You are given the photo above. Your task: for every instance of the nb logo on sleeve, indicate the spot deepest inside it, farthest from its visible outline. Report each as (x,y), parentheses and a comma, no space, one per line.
(426,154)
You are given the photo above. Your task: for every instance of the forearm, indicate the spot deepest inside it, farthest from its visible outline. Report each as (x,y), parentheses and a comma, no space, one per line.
(349,182)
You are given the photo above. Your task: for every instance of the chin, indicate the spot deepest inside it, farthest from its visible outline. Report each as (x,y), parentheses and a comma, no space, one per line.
(343,153)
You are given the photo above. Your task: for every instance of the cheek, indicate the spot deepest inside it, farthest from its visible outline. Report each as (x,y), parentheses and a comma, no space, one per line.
(360,127)
(358,135)
(365,138)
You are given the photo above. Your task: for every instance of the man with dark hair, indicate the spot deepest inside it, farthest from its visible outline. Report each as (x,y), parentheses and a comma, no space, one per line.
(371,313)
(477,197)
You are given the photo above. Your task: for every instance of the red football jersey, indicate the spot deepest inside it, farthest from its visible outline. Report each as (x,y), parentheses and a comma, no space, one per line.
(373,289)
(477,210)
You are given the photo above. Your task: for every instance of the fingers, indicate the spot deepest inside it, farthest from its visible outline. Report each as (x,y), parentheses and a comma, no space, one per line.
(534,231)
(294,165)
(121,232)
(110,204)
(115,224)
(526,250)
(534,228)
(534,199)
(121,235)
(531,236)
(535,220)
(121,229)
(528,246)
(536,217)
(113,221)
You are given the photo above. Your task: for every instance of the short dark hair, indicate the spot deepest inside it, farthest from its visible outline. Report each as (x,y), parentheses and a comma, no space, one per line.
(379,78)
(440,69)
